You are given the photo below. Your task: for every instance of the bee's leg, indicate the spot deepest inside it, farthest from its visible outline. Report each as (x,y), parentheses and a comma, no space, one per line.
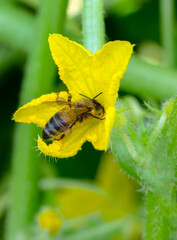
(60,99)
(72,124)
(80,119)
(61,137)
(66,133)
(89,114)
(69,97)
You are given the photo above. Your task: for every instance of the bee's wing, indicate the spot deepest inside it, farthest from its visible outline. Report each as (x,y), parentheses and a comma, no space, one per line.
(59,103)
(39,113)
(79,111)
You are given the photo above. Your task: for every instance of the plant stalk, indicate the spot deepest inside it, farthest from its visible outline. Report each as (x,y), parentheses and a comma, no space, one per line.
(157,226)
(38,79)
(93,25)
(167,20)
(146,80)
(15,21)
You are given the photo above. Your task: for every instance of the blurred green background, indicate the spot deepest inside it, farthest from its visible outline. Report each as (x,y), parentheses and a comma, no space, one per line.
(151,76)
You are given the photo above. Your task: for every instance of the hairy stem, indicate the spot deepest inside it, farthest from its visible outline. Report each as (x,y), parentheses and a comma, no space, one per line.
(93,24)
(157,226)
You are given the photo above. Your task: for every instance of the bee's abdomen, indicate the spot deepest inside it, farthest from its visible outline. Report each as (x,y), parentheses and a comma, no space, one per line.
(53,127)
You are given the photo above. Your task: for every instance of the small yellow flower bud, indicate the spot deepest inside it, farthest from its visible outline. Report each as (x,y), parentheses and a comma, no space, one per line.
(50,220)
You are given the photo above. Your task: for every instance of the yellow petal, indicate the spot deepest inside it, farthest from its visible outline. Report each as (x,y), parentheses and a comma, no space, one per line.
(109,65)
(109,178)
(39,110)
(75,202)
(103,130)
(70,145)
(75,65)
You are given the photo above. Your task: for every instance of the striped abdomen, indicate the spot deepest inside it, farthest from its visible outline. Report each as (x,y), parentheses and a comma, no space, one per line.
(54,127)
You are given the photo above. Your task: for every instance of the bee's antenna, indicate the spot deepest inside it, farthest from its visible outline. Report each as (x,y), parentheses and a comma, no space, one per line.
(83,95)
(90,98)
(97,95)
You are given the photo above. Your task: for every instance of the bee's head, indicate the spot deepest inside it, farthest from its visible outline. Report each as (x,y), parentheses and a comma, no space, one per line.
(98,108)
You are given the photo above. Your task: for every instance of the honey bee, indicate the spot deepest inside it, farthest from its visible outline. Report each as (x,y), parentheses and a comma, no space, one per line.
(60,124)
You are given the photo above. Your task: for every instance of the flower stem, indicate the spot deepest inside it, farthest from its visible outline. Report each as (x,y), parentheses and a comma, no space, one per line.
(39,77)
(161,200)
(93,24)
(157,226)
(17,22)
(167,30)
(143,79)
(105,230)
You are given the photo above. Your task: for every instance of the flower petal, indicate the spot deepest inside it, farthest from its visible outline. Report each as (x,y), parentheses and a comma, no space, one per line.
(39,110)
(103,130)
(75,202)
(109,64)
(70,145)
(75,65)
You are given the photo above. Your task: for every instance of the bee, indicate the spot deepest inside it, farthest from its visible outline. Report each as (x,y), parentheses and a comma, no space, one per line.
(60,124)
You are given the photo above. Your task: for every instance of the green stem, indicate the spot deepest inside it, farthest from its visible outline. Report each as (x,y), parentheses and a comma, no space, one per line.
(167,20)
(106,230)
(17,22)
(93,24)
(39,77)
(157,226)
(125,153)
(161,202)
(147,80)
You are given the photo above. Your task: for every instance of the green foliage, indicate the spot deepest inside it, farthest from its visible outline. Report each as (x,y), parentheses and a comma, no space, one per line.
(148,154)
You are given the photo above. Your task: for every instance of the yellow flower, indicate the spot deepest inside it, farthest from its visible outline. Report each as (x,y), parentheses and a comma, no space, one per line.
(50,220)
(83,73)
(75,202)
(110,198)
